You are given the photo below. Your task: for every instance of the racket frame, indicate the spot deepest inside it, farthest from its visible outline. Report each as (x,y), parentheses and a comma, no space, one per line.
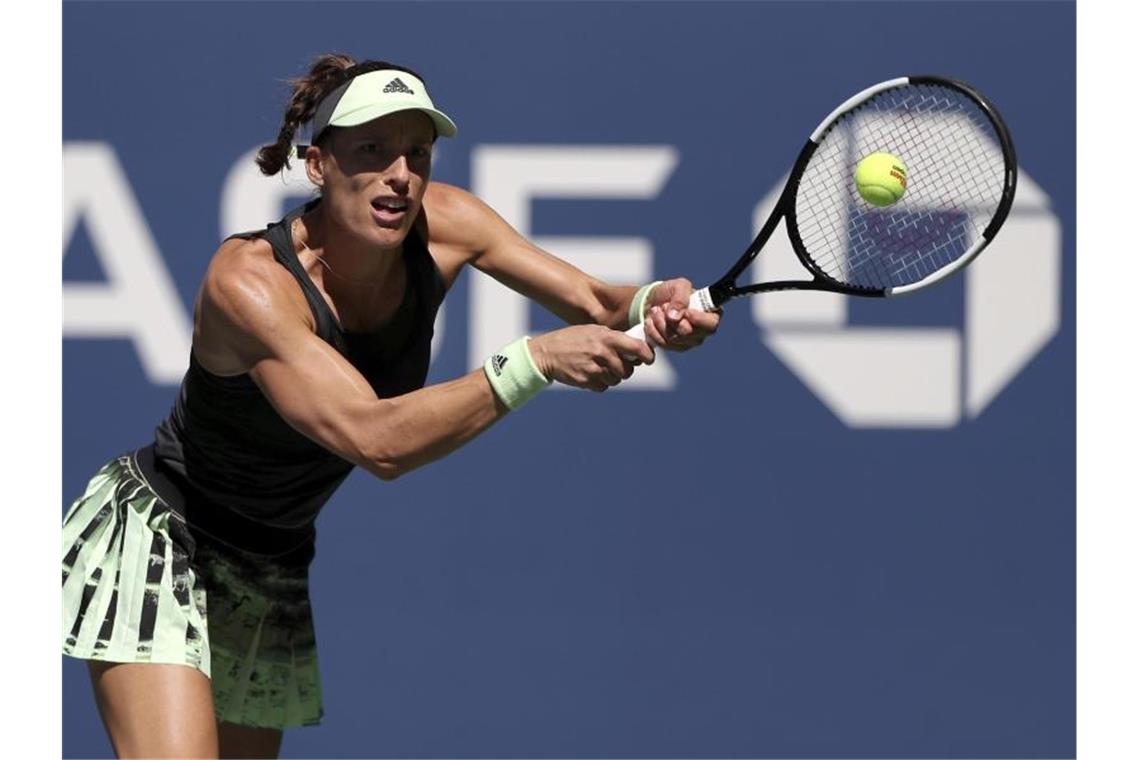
(726,289)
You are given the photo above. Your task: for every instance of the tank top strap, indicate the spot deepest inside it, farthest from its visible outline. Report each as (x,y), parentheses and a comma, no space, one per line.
(426,284)
(426,278)
(279,235)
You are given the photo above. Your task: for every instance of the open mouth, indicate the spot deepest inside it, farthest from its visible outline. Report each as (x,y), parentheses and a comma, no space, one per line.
(389,210)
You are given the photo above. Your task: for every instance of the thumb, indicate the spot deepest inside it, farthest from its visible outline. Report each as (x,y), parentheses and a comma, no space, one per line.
(633,348)
(679,293)
(675,309)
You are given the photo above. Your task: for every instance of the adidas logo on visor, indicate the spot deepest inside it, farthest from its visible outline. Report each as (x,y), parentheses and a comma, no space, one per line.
(396,85)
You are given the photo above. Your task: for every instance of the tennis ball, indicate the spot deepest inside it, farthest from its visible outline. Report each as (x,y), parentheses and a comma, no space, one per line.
(881,179)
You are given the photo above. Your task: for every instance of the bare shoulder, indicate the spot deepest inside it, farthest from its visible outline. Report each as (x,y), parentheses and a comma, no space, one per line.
(246,302)
(243,279)
(446,199)
(457,217)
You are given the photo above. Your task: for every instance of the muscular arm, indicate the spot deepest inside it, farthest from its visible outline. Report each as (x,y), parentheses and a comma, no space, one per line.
(326,399)
(255,322)
(467,231)
(253,318)
(464,230)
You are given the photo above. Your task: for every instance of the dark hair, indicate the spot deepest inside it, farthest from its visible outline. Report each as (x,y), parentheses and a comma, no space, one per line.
(326,73)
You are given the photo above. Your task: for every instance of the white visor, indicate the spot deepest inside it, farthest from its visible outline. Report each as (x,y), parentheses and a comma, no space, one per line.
(374,94)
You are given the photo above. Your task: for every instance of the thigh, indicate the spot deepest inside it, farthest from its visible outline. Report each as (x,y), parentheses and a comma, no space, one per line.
(155,710)
(236,741)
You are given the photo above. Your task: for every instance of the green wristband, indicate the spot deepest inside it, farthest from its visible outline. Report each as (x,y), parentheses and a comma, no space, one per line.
(513,375)
(637,305)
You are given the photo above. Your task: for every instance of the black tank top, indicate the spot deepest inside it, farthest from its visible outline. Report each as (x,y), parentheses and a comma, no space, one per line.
(233,456)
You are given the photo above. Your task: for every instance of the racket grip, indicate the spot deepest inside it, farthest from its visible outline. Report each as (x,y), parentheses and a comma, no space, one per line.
(701,300)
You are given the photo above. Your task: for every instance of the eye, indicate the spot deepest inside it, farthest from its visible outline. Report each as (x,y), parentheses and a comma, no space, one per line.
(420,152)
(369,147)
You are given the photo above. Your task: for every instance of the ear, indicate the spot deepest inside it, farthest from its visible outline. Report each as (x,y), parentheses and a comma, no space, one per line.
(314,165)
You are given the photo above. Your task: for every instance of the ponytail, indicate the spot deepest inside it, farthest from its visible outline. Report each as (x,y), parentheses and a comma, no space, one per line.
(325,75)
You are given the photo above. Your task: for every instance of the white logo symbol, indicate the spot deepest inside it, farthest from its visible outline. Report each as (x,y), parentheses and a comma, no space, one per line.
(921,377)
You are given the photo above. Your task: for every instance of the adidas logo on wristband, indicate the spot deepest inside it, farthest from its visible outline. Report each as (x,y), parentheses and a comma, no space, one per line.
(521,380)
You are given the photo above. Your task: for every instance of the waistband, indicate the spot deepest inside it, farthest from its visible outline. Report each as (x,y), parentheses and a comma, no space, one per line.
(214,520)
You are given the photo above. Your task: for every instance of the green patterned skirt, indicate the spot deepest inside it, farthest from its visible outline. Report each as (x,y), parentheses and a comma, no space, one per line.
(140,585)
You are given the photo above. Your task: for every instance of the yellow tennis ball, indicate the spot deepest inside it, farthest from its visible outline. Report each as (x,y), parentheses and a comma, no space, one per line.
(881,179)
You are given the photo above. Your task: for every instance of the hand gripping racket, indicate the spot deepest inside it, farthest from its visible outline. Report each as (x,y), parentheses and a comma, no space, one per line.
(960,178)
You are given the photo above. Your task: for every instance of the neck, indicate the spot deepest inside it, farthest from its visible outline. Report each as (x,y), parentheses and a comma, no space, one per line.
(344,256)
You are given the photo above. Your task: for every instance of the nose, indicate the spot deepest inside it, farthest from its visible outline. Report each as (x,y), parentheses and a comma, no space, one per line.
(399,174)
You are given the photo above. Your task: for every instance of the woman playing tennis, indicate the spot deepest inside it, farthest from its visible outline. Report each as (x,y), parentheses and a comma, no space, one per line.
(185,570)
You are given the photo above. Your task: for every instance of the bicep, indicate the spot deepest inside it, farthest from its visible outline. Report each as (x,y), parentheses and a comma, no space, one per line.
(319,393)
(257,321)
(264,325)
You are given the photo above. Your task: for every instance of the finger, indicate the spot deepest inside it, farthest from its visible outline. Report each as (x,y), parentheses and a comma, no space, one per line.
(632,347)
(653,336)
(657,316)
(620,365)
(680,291)
(674,314)
(591,379)
(686,337)
(612,367)
(703,321)
(684,344)
(679,343)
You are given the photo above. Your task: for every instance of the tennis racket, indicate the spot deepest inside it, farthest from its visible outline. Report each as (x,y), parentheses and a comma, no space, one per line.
(961,175)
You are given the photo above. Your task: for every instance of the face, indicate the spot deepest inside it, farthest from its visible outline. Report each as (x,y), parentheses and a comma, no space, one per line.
(373,176)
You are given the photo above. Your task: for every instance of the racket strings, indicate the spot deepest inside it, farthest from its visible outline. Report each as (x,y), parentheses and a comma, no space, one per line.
(956,179)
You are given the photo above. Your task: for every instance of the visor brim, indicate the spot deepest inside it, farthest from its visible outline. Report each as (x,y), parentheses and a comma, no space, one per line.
(444,126)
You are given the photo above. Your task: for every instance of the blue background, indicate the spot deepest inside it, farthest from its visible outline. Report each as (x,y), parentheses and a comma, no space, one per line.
(585,579)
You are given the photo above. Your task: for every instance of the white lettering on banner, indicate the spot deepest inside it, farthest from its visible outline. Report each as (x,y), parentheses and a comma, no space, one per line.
(509,177)
(250,200)
(900,377)
(911,377)
(138,300)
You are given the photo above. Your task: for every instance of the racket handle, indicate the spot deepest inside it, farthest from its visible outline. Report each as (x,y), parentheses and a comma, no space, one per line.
(701,300)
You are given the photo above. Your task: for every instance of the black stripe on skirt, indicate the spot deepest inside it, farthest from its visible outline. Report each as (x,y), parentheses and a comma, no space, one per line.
(73,554)
(149,612)
(88,592)
(108,627)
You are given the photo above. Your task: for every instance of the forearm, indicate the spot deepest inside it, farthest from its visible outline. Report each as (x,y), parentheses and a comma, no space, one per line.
(621,306)
(401,434)
(573,296)
(613,302)
(597,303)
(395,436)
(465,224)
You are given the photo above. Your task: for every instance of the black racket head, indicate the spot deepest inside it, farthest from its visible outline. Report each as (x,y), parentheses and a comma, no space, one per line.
(961,176)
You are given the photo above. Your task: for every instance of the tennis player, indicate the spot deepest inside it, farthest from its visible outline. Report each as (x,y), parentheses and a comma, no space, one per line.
(185,569)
